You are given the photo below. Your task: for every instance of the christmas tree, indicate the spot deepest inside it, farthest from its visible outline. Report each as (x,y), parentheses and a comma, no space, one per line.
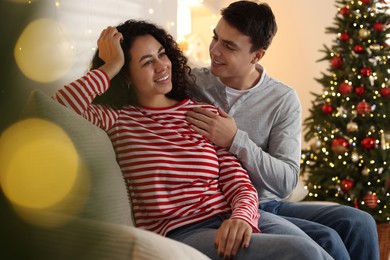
(348,129)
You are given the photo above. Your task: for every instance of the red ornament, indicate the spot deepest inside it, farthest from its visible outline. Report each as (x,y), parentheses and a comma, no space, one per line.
(366,2)
(363,107)
(360,90)
(385,92)
(358,49)
(368,143)
(344,36)
(371,200)
(378,27)
(345,88)
(346,185)
(337,62)
(365,71)
(327,109)
(355,203)
(345,11)
(340,145)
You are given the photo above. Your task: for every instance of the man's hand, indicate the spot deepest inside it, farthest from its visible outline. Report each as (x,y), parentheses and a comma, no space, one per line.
(110,51)
(219,129)
(231,235)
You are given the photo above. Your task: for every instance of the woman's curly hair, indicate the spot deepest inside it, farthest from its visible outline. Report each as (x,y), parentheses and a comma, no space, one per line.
(119,94)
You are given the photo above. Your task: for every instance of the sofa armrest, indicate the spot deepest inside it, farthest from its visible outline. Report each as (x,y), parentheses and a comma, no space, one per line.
(85,239)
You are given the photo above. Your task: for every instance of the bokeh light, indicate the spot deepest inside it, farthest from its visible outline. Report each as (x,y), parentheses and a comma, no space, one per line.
(43,52)
(39,167)
(20,1)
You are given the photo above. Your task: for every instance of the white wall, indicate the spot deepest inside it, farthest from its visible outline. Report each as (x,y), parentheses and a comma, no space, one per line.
(81,21)
(292,56)
(48,43)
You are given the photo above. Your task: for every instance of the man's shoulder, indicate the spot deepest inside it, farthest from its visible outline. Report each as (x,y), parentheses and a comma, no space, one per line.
(205,80)
(201,70)
(202,73)
(278,86)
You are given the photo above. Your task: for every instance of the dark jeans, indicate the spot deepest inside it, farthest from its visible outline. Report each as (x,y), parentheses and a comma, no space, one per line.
(344,232)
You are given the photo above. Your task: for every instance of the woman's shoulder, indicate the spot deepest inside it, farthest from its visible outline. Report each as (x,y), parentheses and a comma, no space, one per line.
(195,103)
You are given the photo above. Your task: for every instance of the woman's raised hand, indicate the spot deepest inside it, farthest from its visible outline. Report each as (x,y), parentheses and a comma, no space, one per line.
(110,51)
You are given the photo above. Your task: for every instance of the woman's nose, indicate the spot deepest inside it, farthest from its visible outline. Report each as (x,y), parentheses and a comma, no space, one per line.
(161,65)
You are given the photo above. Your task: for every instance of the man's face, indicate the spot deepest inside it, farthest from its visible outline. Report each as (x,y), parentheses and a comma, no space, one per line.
(231,59)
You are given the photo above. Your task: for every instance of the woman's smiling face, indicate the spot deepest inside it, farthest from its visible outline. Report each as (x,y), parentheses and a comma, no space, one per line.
(150,70)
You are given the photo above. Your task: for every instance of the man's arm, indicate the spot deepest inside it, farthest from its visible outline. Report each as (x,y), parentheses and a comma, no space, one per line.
(218,129)
(276,169)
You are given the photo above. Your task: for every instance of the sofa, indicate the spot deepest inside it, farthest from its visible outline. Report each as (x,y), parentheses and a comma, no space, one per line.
(93,221)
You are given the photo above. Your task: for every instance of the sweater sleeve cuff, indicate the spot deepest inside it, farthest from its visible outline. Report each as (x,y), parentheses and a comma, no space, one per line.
(238,142)
(104,74)
(252,222)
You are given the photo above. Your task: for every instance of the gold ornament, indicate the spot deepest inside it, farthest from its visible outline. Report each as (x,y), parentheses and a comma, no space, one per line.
(386,135)
(365,172)
(385,140)
(375,47)
(316,144)
(364,33)
(352,127)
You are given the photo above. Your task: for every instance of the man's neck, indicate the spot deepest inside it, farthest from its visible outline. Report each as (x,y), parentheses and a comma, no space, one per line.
(244,82)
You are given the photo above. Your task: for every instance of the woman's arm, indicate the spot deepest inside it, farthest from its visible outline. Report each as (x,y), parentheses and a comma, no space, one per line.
(238,189)
(79,94)
(242,197)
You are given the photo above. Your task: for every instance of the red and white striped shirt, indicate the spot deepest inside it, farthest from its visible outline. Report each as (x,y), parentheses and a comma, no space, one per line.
(174,175)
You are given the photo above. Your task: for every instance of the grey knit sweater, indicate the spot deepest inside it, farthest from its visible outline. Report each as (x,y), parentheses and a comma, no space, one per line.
(268,142)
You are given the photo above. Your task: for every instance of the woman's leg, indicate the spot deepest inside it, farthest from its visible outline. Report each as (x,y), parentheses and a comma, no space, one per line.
(262,246)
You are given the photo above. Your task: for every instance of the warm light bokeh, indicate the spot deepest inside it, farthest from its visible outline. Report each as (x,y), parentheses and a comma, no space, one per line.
(43,52)
(41,172)
(38,164)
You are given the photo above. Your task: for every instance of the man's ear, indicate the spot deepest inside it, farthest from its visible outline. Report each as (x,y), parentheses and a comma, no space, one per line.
(258,56)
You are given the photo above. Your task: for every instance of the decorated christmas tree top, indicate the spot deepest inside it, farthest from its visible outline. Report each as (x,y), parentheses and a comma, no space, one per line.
(348,160)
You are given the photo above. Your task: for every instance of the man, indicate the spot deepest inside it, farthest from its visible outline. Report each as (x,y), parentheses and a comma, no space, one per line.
(262,127)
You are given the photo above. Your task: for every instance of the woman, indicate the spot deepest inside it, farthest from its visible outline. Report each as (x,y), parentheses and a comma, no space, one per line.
(180,184)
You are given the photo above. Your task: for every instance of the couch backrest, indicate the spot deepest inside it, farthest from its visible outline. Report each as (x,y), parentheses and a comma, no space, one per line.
(101,189)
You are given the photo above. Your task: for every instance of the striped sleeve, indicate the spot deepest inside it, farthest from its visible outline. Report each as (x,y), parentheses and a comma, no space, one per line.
(238,189)
(79,95)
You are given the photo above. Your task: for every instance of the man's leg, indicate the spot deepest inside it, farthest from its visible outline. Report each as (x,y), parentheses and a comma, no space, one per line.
(319,235)
(324,236)
(262,246)
(356,228)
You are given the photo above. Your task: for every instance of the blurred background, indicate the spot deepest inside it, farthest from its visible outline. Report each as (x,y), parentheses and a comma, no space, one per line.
(48,43)
(45,44)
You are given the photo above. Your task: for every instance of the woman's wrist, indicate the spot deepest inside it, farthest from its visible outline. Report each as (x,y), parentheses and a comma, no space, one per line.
(110,69)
